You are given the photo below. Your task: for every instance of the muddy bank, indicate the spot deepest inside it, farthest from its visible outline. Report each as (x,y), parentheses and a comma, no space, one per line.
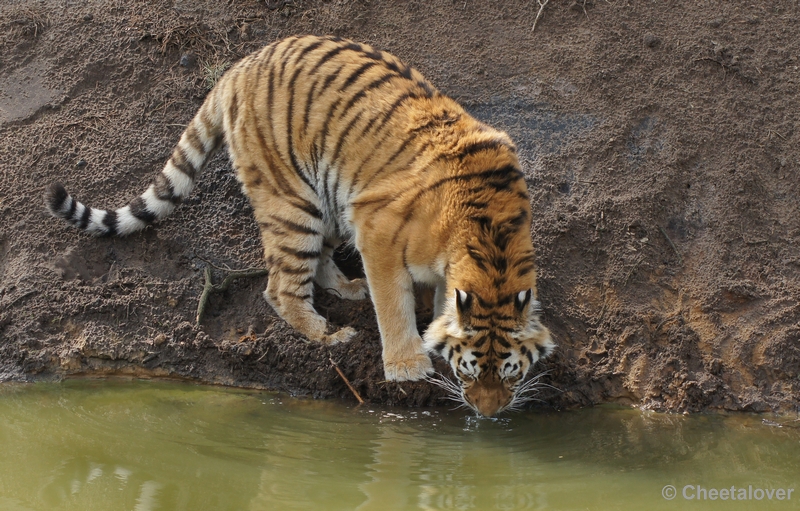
(660,148)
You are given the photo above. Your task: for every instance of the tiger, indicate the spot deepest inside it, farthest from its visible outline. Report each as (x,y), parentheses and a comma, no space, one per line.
(335,142)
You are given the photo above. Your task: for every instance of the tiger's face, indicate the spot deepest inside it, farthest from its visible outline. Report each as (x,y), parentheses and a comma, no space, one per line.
(490,346)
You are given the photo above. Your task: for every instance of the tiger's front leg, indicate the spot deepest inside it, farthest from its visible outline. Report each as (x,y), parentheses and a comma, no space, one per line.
(391,289)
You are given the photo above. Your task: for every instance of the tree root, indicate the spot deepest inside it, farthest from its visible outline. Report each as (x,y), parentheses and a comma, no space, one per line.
(539,14)
(209,286)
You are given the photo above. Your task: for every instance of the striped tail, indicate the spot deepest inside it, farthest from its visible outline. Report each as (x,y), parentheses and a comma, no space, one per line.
(201,138)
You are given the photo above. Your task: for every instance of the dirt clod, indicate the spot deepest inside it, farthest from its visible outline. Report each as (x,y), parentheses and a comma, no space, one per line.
(651,41)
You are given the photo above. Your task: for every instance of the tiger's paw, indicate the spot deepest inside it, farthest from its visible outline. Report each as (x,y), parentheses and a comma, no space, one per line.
(355,289)
(413,368)
(343,335)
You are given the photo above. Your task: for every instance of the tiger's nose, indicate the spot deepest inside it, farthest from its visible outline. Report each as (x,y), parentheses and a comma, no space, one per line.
(487,408)
(488,400)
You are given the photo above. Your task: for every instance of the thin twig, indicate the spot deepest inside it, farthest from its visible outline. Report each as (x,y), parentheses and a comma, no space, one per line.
(264,355)
(773,132)
(346,381)
(539,14)
(671,244)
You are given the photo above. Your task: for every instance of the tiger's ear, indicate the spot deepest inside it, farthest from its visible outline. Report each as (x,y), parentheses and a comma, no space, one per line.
(522,299)
(463,301)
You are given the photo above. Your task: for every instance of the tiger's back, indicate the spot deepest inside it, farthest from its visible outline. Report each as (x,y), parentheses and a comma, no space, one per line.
(334,142)
(340,120)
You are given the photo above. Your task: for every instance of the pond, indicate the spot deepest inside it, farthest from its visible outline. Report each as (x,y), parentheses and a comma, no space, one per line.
(145,446)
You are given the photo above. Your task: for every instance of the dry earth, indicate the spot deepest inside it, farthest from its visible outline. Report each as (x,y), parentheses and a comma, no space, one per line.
(659,141)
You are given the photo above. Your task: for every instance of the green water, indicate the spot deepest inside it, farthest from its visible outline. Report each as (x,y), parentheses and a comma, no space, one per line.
(143,446)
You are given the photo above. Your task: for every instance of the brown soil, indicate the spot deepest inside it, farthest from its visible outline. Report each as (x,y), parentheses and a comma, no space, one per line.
(659,139)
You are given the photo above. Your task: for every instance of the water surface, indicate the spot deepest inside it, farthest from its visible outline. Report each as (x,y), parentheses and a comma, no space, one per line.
(143,446)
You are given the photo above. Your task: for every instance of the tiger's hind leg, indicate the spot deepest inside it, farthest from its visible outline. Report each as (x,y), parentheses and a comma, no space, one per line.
(330,277)
(294,252)
(290,291)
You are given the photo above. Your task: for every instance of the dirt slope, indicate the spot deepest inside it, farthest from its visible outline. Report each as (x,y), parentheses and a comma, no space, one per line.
(659,139)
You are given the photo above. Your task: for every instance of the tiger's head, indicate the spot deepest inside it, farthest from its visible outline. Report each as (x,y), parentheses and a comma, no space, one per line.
(490,343)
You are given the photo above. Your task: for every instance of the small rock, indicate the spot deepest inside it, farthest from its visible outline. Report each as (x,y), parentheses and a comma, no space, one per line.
(188,60)
(159,340)
(716,23)
(81,164)
(88,17)
(651,41)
